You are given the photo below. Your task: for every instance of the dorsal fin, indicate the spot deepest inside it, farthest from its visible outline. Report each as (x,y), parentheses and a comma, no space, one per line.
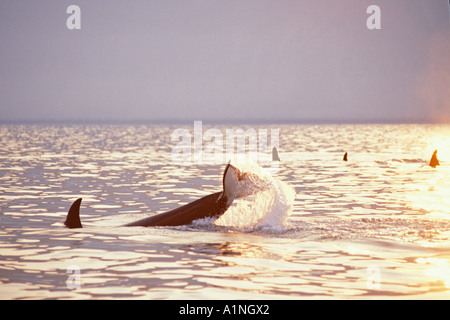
(275,156)
(73,216)
(345,157)
(434,160)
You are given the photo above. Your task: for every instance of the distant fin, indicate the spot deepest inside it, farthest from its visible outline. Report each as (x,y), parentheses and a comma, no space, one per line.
(434,160)
(345,157)
(73,216)
(275,156)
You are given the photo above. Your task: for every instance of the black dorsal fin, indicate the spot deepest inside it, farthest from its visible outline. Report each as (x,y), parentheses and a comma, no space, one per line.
(73,216)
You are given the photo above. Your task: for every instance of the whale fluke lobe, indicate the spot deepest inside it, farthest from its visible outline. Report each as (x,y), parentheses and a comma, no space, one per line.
(345,157)
(434,160)
(73,216)
(211,206)
(236,184)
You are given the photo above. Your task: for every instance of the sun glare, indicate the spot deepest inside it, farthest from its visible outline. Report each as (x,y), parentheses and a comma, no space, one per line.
(438,268)
(442,144)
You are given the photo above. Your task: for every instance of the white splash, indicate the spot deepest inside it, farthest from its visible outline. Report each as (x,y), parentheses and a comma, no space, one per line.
(267,209)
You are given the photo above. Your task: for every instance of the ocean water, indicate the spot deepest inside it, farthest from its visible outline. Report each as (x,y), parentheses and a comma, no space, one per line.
(376,226)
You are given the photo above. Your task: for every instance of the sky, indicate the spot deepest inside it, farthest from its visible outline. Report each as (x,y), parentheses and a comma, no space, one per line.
(225,60)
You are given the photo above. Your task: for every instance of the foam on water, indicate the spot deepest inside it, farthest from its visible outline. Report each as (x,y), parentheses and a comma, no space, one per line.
(268,209)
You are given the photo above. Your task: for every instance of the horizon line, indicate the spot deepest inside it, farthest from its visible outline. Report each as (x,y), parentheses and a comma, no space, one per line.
(166,121)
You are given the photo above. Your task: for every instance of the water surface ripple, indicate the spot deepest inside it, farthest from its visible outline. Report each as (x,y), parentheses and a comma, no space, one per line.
(377,226)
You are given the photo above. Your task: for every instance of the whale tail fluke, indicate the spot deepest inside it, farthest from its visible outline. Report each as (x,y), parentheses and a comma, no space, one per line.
(236,184)
(239,184)
(434,160)
(73,216)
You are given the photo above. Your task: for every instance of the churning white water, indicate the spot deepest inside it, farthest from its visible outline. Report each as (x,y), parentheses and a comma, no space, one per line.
(268,209)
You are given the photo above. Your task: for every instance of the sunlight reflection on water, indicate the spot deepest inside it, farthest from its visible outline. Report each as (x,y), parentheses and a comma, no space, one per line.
(384,208)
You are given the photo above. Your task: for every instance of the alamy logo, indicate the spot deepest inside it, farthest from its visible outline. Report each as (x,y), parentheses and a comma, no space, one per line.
(73,22)
(374,20)
(373,278)
(212,146)
(74,280)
